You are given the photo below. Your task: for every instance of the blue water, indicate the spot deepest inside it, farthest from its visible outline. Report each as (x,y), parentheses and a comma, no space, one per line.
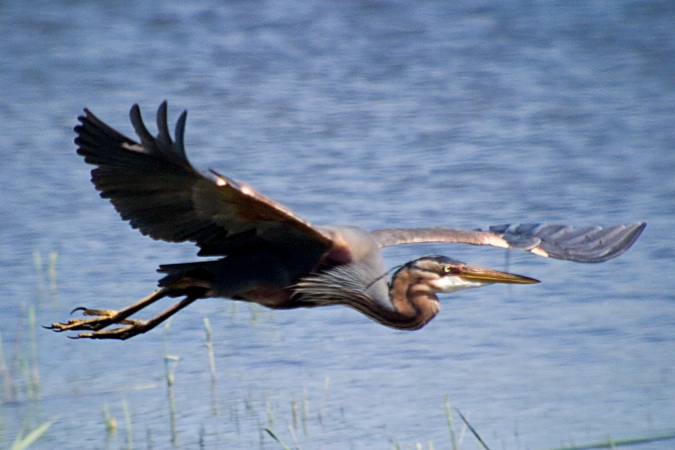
(373,113)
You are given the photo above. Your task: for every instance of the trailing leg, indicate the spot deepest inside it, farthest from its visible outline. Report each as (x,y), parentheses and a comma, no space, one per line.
(101,319)
(134,327)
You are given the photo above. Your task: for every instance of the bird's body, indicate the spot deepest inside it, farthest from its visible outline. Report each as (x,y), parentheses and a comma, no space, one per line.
(270,256)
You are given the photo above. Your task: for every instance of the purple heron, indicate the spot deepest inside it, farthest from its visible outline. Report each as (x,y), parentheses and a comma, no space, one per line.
(270,256)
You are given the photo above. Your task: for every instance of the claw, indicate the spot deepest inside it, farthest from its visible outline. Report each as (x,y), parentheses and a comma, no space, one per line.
(121,333)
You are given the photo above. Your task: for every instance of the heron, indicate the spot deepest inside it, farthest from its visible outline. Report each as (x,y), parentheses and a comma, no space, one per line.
(268,255)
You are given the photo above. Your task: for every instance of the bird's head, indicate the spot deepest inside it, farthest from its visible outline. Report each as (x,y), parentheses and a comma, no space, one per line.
(445,274)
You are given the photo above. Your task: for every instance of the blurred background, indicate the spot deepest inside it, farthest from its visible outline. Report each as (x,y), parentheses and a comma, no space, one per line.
(374,113)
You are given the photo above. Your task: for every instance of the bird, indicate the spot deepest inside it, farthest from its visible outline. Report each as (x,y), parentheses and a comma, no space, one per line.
(266,254)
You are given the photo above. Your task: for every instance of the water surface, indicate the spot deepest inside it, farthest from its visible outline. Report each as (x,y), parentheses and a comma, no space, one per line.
(373,113)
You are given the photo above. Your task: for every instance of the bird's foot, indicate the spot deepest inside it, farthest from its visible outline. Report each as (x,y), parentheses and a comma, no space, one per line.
(103,318)
(100,320)
(133,327)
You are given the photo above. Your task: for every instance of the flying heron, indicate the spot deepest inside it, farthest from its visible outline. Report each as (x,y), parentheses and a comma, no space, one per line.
(270,256)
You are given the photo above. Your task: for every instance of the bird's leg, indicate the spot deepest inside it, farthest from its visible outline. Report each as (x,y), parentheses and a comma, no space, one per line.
(135,327)
(104,318)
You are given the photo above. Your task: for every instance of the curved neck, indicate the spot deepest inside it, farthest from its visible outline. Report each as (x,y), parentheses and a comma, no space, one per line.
(410,306)
(414,301)
(407,303)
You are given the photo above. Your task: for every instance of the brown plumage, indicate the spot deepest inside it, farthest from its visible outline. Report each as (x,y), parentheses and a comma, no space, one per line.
(270,256)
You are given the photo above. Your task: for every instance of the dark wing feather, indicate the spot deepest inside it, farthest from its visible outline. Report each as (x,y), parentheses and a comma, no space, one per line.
(155,188)
(585,244)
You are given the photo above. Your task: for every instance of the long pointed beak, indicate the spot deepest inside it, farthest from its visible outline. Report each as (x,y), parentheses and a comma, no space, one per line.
(481,275)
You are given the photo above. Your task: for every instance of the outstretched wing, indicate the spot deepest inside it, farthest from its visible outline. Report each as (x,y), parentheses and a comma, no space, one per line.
(155,188)
(586,244)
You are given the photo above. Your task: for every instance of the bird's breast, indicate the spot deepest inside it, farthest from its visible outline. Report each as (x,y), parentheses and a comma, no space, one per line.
(270,298)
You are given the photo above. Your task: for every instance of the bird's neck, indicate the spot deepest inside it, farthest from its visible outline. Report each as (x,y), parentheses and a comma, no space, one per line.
(415,303)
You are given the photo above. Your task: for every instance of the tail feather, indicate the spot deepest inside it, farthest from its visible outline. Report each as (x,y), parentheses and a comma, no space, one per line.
(176,272)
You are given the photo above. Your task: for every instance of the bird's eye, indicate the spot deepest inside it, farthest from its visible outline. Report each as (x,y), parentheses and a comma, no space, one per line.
(450,269)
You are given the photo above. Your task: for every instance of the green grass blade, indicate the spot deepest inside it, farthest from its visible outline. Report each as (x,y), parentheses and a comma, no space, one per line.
(613,443)
(21,443)
(473,430)
(276,438)
(451,425)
